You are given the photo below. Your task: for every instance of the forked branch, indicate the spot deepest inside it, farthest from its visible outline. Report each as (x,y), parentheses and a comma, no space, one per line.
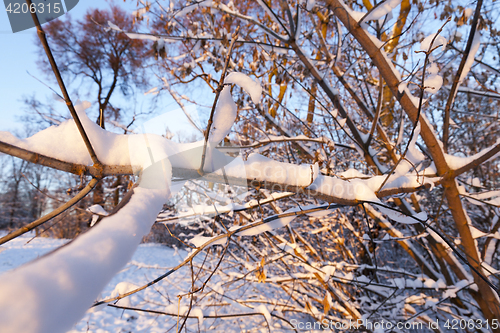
(67,99)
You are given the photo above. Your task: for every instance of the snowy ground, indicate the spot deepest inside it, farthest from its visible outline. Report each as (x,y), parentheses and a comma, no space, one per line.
(149,261)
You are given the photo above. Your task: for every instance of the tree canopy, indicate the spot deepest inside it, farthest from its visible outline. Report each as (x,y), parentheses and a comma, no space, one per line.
(89,50)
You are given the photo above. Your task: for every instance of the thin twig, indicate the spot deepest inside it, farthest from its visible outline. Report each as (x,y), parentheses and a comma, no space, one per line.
(234,315)
(51,196)
(377,113)
(90,186)
(212,272)
(177,238)
(45,84)
(217,94)
(190,298)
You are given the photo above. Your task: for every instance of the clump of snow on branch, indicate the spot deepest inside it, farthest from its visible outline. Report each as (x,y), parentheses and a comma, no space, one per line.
(252,87)
(433,82)
(436,40)
(96,211)
(188,9)
(123,288)
(413,154)
(267,170)
(382,9)
(456,162)
(226,111)
(310,4)
(224,116)
(468,12)
(113,26)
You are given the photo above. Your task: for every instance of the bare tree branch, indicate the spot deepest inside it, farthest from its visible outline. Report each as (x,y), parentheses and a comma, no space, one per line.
(90,186)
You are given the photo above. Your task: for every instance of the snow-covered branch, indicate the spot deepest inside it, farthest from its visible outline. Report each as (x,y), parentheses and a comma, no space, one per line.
(120,151)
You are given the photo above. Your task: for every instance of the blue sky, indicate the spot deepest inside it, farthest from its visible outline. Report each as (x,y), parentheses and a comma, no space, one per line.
(18,57)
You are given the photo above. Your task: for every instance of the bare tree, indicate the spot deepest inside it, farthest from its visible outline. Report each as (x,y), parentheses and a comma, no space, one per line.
(106,60)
